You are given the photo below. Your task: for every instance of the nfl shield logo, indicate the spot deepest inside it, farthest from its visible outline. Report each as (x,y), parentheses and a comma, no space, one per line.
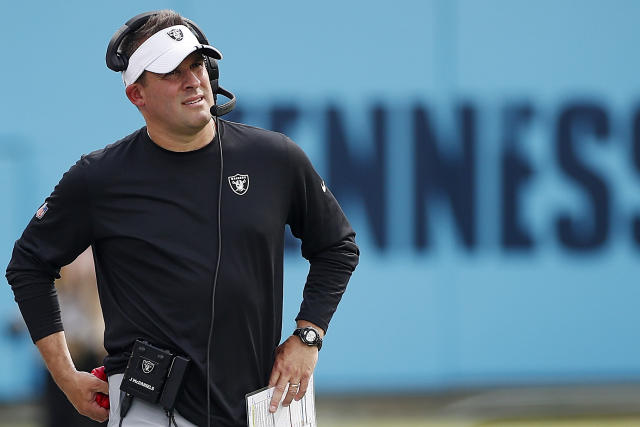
(239,183)
(176,34)
(147,366)
(43,210)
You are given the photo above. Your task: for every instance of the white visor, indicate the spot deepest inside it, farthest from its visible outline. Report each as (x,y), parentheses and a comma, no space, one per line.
(164,51)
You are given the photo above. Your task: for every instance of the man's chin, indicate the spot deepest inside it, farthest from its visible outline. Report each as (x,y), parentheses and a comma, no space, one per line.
(201,119)
(196,124)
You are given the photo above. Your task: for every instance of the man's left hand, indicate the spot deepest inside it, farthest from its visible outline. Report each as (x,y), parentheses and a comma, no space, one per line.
(292,369)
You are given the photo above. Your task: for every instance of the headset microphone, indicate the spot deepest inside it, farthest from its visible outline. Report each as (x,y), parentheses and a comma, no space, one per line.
(221,110)
(214,74)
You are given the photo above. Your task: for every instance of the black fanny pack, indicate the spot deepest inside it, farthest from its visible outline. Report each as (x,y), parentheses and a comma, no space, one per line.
(154,375)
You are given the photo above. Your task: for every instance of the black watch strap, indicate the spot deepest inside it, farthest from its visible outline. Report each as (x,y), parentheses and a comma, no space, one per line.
(309,336)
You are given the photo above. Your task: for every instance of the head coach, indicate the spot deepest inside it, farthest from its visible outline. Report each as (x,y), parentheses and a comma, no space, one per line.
(186,219)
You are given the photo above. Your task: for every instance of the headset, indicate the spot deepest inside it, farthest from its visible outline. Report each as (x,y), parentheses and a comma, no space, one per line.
(118,61)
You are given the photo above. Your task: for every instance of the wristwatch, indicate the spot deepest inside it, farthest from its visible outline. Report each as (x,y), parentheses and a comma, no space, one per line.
(309,336)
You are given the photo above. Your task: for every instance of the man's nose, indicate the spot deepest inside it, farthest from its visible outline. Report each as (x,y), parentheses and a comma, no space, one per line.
(192,79)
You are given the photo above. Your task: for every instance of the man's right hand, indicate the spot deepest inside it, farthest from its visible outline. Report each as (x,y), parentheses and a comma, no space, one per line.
(81,388)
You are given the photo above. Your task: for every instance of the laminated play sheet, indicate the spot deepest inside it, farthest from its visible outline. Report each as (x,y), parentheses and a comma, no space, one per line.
(300,413)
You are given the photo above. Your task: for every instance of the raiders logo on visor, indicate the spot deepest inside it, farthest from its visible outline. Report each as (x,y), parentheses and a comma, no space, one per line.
(176,34)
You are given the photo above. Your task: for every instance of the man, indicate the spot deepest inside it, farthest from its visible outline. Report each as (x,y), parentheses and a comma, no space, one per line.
(185,218)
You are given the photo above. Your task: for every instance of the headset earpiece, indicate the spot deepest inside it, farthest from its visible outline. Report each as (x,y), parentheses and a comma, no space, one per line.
(116,60)
(214,74)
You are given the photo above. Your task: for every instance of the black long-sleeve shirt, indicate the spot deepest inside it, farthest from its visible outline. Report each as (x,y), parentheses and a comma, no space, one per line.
(150,216)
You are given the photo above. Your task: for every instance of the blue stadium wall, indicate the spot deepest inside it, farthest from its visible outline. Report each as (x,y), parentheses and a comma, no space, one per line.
(487,154)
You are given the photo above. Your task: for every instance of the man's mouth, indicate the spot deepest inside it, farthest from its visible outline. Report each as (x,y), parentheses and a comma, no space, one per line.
(194,100)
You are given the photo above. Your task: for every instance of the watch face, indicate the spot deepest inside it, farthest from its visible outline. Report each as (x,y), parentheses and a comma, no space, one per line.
(310,336)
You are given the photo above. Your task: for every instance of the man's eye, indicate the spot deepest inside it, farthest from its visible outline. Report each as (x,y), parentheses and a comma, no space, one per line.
(198,64)
(170,74)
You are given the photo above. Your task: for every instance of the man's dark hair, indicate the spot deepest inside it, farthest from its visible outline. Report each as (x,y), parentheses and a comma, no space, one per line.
(162,19)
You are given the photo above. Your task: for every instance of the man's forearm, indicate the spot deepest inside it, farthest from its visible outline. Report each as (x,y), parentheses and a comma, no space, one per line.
(79,387)
(329,273)
(36,296)
(56,356)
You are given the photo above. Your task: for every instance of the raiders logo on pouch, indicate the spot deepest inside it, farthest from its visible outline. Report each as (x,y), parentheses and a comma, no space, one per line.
(176,34)
(239,183)
(147,366)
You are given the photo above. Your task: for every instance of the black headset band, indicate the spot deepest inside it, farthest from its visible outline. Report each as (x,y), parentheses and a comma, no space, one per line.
(197,31)
(117,61)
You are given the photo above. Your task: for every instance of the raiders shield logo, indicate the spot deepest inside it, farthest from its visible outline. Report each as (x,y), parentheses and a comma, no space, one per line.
(147,366)
(239,183)
(176,34)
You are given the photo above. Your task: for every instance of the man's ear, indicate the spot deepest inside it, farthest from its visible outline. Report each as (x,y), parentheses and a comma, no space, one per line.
(135,93)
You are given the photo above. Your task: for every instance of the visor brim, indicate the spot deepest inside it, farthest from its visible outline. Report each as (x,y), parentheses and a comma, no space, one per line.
(170,60)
